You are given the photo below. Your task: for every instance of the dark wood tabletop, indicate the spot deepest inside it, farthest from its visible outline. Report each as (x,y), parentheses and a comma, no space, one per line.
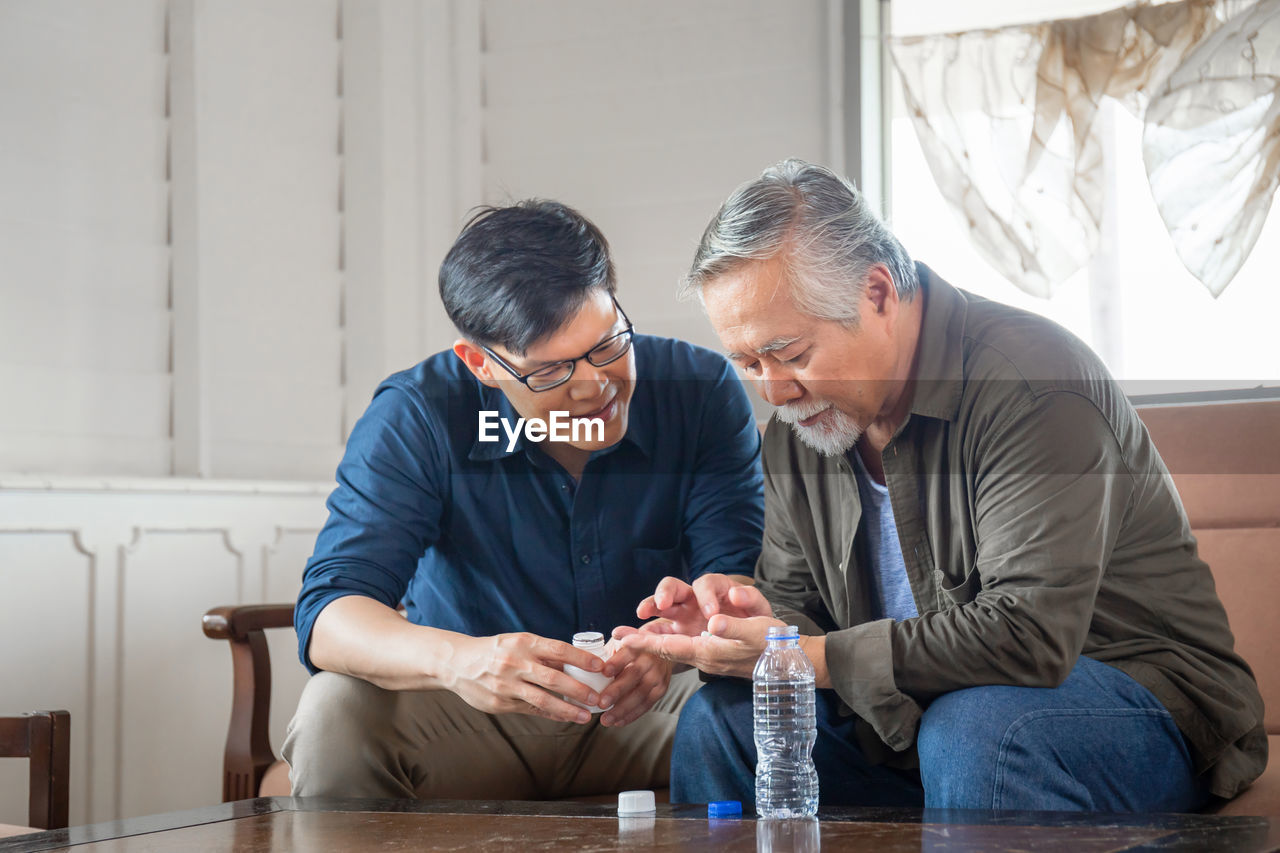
(305,824)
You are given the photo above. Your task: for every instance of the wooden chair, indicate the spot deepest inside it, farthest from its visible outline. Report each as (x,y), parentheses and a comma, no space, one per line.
(44,737)
(250,768)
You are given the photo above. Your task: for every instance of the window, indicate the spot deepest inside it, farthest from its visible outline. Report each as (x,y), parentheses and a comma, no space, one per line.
(1157,327)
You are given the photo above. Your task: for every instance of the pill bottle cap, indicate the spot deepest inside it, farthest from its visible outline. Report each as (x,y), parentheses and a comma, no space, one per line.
(724,808)
(587,639)
(635,802)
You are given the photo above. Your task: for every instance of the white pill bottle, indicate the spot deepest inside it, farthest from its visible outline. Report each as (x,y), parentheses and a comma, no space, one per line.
(591,641)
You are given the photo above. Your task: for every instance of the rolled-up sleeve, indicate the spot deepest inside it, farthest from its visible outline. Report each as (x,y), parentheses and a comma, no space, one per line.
(1051,491)
(383,514)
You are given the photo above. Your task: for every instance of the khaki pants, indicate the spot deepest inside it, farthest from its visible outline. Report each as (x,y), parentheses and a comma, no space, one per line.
(352,739)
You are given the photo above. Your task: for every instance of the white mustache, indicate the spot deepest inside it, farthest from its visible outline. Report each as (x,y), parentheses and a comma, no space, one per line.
(794,413)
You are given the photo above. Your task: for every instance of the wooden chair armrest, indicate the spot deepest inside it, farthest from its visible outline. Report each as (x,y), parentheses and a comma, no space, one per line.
(248,751)
(236,621)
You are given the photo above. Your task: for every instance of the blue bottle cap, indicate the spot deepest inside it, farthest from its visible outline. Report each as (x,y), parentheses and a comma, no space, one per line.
(724,808)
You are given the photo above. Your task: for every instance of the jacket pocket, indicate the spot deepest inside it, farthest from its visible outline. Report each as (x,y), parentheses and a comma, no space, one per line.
(958,593)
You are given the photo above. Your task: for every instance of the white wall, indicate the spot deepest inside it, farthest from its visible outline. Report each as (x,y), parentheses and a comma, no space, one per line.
(215,228)
(257,235)
(223,220)
(646,115)
(293,196)
(84,253)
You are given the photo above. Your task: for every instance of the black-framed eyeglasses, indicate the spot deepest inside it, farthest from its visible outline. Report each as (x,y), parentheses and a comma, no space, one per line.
(553,375)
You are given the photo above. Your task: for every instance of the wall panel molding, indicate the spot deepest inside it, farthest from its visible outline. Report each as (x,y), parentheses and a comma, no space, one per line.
(144,554)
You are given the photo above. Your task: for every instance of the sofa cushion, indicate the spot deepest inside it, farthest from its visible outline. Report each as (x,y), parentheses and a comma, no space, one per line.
(1226,466)
(1224,461)
(1246,571)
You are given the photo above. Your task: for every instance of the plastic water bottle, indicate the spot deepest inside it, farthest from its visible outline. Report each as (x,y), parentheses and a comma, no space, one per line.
(785,728)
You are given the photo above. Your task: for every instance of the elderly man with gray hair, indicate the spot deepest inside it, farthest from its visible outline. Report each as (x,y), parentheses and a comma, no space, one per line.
(994,576)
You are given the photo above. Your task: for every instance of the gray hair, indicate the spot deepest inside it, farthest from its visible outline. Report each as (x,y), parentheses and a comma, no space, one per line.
(830,235)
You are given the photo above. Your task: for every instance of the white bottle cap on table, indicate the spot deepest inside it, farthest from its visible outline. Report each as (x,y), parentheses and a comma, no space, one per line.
(636,802)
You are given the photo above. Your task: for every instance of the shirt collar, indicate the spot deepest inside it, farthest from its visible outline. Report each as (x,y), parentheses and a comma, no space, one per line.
(493,400)
(939,374)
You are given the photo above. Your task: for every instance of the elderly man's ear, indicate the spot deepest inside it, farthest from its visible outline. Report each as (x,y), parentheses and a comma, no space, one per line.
(880,292)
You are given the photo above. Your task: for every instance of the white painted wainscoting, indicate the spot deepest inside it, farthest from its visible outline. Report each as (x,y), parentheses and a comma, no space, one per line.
(102,586)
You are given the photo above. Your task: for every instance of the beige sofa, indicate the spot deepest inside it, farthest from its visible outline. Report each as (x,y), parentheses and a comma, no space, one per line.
(1225,461)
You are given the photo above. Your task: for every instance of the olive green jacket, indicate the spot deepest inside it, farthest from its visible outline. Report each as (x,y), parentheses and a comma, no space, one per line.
(1037,523)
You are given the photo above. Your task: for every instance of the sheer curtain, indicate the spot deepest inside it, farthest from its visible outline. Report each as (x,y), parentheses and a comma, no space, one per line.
(1007,122)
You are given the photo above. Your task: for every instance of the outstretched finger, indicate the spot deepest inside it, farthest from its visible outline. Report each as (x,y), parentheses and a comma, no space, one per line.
(735,628)
(712,593)
(653,626)
(647,609)
(661,626)
(677,648)
(671,592)
(750,601)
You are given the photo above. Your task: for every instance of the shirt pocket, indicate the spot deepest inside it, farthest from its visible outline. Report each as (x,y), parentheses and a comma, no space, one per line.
(635,574)
(654,564)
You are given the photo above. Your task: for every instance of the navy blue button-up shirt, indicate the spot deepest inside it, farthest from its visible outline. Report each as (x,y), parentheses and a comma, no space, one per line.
(481,540)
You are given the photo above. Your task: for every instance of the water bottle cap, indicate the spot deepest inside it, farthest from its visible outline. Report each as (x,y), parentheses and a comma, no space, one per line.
(636,802)
(724,808)
(783,632)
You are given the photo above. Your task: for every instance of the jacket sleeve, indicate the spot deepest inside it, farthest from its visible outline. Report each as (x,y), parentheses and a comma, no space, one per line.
(784,574)
(384,513)
(1051,489)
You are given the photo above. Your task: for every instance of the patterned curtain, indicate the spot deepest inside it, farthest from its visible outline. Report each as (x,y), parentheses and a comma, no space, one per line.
(1006,121)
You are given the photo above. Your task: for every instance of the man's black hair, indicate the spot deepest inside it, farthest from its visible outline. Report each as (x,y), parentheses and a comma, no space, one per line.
(517,274)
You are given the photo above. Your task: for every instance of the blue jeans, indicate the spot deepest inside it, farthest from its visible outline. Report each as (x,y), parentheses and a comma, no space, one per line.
(1098,742)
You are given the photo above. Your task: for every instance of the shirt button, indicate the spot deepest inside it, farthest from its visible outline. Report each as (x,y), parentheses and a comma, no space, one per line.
(586,558)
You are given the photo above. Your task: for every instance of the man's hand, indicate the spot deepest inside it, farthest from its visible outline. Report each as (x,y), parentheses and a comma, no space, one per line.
(641,680)
(521,674)
(685,609)
(733,646)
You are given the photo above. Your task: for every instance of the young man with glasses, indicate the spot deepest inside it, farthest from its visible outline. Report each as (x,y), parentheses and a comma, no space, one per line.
(501,551)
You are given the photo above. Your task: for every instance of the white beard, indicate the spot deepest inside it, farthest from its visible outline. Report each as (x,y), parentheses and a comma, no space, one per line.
(834,435)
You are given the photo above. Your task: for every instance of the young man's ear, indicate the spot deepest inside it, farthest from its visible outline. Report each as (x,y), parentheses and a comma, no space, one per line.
(475,360)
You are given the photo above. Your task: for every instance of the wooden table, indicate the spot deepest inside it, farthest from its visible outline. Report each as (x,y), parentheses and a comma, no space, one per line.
(307,824)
